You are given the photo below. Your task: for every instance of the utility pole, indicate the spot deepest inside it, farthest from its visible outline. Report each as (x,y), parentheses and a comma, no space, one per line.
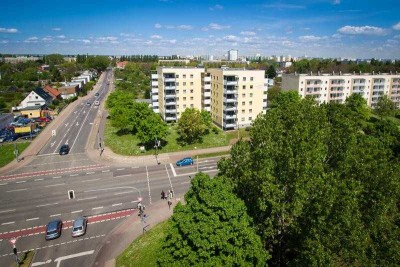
(16,152)
(197,159)
(156,145)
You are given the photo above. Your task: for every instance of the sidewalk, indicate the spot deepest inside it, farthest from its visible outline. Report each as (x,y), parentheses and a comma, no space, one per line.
(130,229)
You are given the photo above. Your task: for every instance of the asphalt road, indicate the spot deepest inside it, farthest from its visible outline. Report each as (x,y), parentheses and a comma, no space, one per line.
(37,193)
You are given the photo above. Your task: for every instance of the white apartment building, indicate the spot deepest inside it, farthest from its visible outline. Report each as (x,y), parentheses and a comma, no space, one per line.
(233,55)
(327,88)
(234,97)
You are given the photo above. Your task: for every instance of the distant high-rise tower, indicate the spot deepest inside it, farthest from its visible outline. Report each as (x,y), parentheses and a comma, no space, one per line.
(232,55)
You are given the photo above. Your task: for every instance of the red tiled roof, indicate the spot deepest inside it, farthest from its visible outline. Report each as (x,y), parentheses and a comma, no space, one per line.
(53,92)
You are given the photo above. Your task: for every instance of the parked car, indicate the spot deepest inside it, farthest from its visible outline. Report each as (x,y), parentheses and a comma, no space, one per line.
(53,229)
(8,138)
(64,149)
(88,103)
(184,162)
(79,226)
(45,119)
(96,103)
(96,94)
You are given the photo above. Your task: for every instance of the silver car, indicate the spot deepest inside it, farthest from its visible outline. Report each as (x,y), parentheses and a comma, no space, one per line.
(79,226)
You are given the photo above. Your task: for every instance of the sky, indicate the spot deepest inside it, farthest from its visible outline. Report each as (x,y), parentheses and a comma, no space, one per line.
(313,28)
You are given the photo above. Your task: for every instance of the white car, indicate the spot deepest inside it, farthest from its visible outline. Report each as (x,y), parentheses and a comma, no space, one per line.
(96,103)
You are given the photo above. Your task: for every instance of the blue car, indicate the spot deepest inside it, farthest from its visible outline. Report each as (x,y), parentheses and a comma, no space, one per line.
(184,162)
(53,229)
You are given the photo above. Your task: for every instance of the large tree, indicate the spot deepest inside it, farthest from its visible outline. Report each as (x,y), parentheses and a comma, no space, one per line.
(359,105)
(212,229)
(321,190)
(385,107)
(191,125)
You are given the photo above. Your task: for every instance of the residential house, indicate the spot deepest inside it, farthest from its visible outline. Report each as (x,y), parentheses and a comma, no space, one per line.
(37,97)
(121,65)
(52,91)
(35,111)
(68,91)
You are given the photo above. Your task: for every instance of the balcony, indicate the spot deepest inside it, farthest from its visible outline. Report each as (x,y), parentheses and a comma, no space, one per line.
(170,87)
(313,90)
(154,97)
(230,107)
(358,82)
(230,100)
(230,91)
(336,96)
(207,86)
(229,124)
(170,111)
(337,89)
(155,104)
(170,103)
(229,116)
(207,94)
(207,109)
(265,104)
(170,118)
(169,79)
(156,110)
(154,90)
(337,82)
(314,82)
(170,94)
(154,83)
(207,101)
(154,76)
(378,88)
(207,79)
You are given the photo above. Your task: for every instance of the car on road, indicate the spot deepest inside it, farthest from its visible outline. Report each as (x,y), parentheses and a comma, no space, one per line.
(96,94)
(53,229)
(96,103)
(64,149)
(88,103)
(185,162)
(79,226)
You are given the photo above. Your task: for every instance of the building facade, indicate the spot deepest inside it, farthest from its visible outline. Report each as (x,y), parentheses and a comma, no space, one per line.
(327,88)
(234,97)
(233,55)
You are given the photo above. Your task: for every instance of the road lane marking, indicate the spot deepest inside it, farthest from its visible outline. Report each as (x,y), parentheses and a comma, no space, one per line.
(105,171)
(135,167)
(122,193)
(40,179)
(7,223)
(90,172)
(4,184)
(125,175)
(58,260)
(121,169)
(55,215)
(76,211)
(74,174)
(5,211)
(193,173)
(97,208)
(173,169)
(20,182)
(52,185)
(169,178)
(32,219)
(148,183)
(86,198)
(118,204)
(91,180)
(56,177)
(17,190)
(44,205)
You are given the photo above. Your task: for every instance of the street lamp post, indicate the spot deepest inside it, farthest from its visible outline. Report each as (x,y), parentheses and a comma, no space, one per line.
(156,145)
(197,159)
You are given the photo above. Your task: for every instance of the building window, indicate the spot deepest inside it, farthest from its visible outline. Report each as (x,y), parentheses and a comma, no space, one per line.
(244,79)
(177,91)
(191,98)
(191,76)
(177,99)
(243,111)
(243,119)
(184,76)
(36,97)
(251,78)
(191,91)
(177,106)
(250,110)
(177,83)
(191,105)
(251,94)
(250,103)
(176,76)
(243,95)
(184,98)
(243,103)
(244,87)
(184,83)
(250,118)
(191,83)
(184,105)
(251,86)
(184,91)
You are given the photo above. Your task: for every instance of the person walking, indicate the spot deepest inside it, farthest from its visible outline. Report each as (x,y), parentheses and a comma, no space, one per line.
(163,194)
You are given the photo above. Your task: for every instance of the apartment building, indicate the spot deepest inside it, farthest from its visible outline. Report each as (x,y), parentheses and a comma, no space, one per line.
(237,96)
(178,88)
(234,97)
(327,88)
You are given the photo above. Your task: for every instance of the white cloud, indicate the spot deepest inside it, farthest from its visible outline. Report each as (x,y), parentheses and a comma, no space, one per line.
(185,27)
(215,26)
(85,41)
(61,36)
(10,30)
(4,42)
(157,26)
(33,39)
(336,2)
(397,36)
(216,7)
(169,27)
(126,34)
(363,30)
(247,33)
(47,39)
(64,42)
(284,6)
(311,38)
(56,29)
(106,39)
(230,38)
(397,27)
(172,41)
(155,37)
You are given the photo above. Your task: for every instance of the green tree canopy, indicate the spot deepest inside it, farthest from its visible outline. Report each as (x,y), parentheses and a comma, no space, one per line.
(359,105)
(271,72)
(285,98)
(54,59)
(190,125)
(385,107)
(212,229)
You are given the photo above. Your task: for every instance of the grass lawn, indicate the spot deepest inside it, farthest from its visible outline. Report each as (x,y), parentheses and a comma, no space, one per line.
(142,252)
(128,144)
(7,152)
(25,258)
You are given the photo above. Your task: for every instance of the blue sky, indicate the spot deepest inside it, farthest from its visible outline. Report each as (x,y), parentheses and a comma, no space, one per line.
(316,28)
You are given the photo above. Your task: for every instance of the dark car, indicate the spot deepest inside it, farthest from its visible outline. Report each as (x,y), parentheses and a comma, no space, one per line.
(184,162)
(64,149)
(53,229)
(79,226)
(96,94)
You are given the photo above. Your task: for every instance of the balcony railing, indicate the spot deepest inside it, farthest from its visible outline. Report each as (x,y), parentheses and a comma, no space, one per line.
(229,124)
(170,118)
(154,90)
(229,116)
(170,103)
(230,107)
(230,91)
(154,97)
(170,87)
(169,79)
(154,76)
(170,110)
(230,100)
(154,83)
(229,82)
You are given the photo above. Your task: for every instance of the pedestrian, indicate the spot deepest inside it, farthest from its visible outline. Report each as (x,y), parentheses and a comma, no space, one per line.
(162,194)
(169,204)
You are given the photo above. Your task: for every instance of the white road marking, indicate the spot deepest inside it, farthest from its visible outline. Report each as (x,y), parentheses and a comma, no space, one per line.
(86,198)
(55,215)
(105,171)
(7,223)
(135,167)
(125,175)
(97,208)
(121,169)
(91,180)
(32,219)
(118,204)
(169,178)
(52,185)
(5,211)
(76,211)
(3,183)
(192,173)
(148,183)
(58,260)
(73,174)
(56,177)
(20,182)
(40,263)
(173,169)
(90,172)
(17,190)
(40,179)
(123,193)
(44,205)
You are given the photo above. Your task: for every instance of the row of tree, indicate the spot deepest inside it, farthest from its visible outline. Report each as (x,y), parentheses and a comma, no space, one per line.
(319,182)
